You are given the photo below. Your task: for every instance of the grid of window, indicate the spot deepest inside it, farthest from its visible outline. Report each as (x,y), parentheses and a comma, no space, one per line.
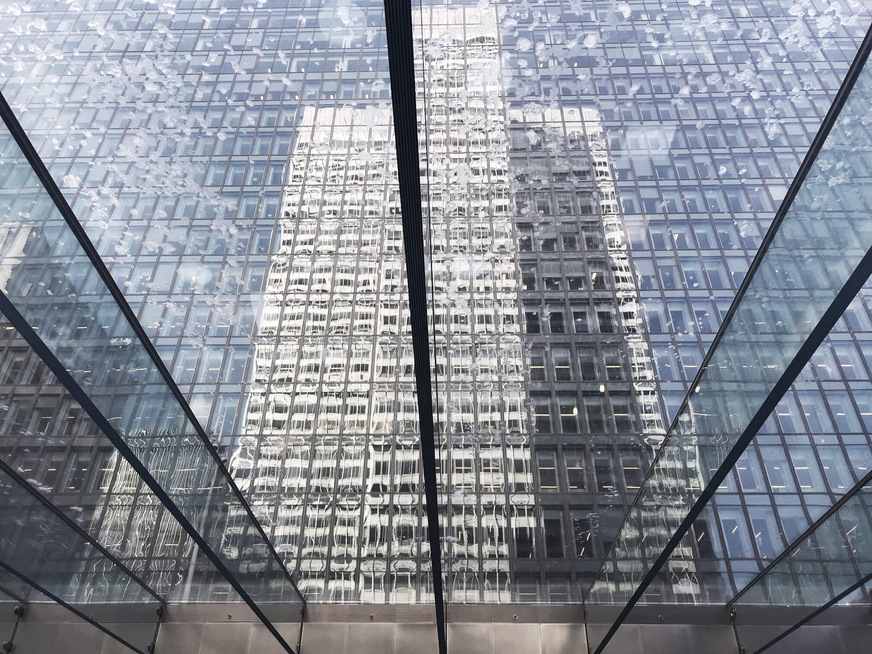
(598,177)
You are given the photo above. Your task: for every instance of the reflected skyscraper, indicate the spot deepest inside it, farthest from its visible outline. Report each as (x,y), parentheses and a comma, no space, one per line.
(533,445)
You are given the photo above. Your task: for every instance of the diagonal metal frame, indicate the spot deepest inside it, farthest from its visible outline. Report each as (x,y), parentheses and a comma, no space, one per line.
(859,486)
(811,616)
(851,287)
(72,609)
(27,332)
(12,594)
(401,60)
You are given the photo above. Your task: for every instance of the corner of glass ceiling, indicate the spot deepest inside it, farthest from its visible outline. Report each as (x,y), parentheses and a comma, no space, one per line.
(829,564)
(43,550)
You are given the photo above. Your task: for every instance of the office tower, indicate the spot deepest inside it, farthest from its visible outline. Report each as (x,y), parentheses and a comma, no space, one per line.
(330,452)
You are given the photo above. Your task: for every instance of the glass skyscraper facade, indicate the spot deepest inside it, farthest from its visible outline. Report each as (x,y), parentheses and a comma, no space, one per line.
(597,178)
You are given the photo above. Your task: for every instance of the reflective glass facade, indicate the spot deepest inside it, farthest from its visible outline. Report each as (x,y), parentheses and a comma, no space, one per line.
(596,177)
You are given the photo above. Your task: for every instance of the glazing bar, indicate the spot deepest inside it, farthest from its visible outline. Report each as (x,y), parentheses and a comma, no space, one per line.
(401,57)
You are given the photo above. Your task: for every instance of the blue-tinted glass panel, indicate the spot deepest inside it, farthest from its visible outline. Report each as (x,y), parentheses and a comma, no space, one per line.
(827,229)
(832,563)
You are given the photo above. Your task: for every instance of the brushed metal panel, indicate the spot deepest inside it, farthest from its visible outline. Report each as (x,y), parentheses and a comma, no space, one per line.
(471,638)
(221,638)
(416,638)
(263,642)
(324,638)
(179,637)
(563,639)
(375,638)
(516,638)
(72,638)
(712,639)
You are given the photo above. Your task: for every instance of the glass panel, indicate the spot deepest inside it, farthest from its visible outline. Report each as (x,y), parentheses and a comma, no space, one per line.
(45,550)
(773,319)
(535,309)
(702,123)
(830,565)
(12,591)
(798,465)
(262,237)
(49,279)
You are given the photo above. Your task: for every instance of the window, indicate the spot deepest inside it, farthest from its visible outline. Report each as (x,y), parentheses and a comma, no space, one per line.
(562,363)
(605,313)
(568,412)
(556,319)
(587,362)
(703,536)
(542,412)
(553,523)
(604,470)
(546,463)
(632,464)
(573,458)
(581,536)
(531,319)
(581,319)
(615,367)
(594,407)
(537,364)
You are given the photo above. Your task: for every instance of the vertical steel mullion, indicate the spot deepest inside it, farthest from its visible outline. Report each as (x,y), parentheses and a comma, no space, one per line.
(401,59)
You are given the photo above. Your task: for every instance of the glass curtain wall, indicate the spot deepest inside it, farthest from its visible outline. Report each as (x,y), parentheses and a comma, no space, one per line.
(535,102)
(71,314)
(48,439)
(824,227)
(597,180)
(830,565)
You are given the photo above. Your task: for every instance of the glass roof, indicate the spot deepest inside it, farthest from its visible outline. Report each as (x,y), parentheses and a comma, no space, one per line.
(595,181)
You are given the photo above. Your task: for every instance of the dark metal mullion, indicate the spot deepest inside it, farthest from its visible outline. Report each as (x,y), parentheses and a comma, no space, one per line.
(859,486)
(75,226)
(76,391)
(804,169)
(18,479)
(69,607)
(852,286)
(12,594)
(401,59)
